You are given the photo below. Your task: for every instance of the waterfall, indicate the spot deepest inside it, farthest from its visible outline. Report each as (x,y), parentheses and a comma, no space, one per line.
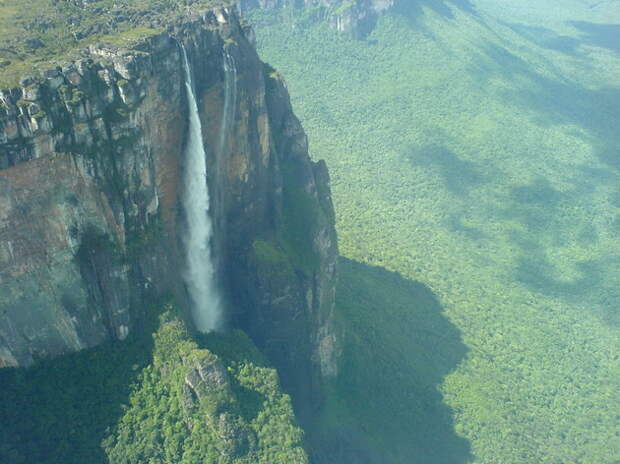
(199,274)
(230,102)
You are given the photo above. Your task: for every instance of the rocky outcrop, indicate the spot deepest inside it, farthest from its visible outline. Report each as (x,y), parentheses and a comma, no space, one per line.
(91,156)
(287,275)
(195,406)
(357,17)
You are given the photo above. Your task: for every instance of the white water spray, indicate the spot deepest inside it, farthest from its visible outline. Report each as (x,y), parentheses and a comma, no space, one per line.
(230,101)
(200,273)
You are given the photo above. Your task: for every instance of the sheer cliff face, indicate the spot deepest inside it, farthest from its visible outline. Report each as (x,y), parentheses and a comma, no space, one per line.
(91,159)
(357,17)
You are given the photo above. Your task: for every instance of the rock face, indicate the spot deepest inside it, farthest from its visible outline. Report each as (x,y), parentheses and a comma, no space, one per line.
(91,157)
(357,17)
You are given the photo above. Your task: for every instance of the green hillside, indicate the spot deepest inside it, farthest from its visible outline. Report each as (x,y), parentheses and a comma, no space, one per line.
(129,403)
(473,148)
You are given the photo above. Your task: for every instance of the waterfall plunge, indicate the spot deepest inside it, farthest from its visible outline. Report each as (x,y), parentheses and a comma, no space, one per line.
(200,272)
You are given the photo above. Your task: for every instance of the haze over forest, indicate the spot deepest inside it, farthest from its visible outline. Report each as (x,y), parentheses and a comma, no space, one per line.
(473,149)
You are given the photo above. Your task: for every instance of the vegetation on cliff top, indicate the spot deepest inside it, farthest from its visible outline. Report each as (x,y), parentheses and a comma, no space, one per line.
(34,33)
(127,402)
(476,152)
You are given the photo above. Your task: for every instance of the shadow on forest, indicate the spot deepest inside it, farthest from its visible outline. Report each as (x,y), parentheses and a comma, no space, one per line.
(597,111)
(592,287)
(398,348)
(543,210)
(534,270)
(597,35)
(459,176)
(539,208)
(415,10)
(546,38)
(59,411)
(600,35)
(455,224)
(615,198)
(534,205)
(557,101)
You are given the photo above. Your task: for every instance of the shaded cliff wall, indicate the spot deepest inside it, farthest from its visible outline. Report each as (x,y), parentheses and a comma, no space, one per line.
(357,17)
(91,155)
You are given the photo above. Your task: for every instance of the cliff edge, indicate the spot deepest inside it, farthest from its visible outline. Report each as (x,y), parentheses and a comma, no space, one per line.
(91,162)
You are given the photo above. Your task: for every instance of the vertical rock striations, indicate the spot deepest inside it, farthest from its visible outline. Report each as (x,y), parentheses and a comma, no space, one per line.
(92,157)
(89,158)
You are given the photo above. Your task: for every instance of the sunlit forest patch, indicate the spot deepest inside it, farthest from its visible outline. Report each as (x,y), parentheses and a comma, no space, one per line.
(473,147)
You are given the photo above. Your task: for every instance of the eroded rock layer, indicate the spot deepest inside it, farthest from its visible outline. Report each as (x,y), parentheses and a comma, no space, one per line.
(91,157)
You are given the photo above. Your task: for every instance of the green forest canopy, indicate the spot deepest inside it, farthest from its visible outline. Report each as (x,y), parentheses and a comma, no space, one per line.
(478,156)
